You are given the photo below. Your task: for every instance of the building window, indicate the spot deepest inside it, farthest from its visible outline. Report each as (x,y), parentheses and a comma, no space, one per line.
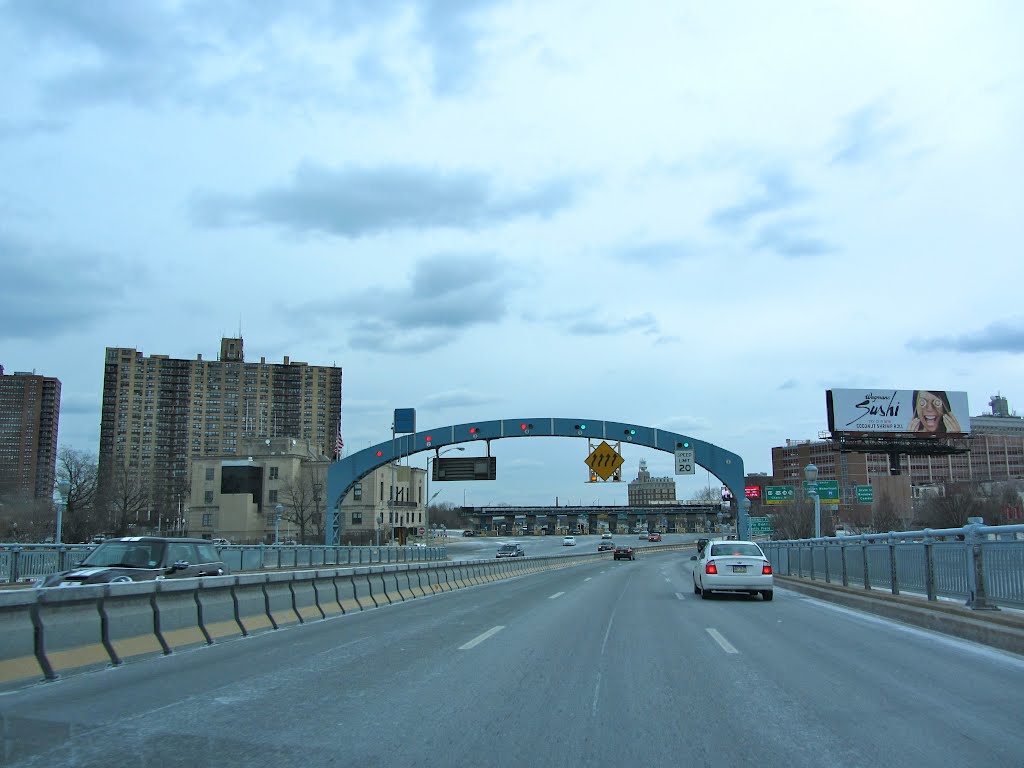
(207,519)
(273,473)
(208,497)
(209,473)
(272,496)
(357,518)
(357,491)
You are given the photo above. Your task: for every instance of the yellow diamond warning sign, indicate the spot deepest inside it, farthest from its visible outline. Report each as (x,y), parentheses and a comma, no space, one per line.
(604,460)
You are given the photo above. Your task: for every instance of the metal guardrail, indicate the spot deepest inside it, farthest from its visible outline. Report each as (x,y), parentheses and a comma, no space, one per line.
(19,562)
(981,564)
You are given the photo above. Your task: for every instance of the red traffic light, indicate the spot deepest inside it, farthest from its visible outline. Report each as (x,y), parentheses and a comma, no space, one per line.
(525,427)
(380,453)
(474,430)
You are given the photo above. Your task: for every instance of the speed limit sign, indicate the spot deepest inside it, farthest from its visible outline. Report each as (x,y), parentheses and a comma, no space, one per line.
(685,463)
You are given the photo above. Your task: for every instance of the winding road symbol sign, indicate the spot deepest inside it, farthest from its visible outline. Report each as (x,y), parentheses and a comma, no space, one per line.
(604,461)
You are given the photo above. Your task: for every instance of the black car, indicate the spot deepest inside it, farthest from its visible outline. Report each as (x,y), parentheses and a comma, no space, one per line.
(605,546)
(624,552)
(142,558)
(510,550)
(469,532)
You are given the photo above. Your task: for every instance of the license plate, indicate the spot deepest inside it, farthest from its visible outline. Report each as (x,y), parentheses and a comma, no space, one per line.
(739,569)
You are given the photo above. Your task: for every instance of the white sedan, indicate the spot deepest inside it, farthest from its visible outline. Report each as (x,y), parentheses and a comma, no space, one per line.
(569,541)
(732,566)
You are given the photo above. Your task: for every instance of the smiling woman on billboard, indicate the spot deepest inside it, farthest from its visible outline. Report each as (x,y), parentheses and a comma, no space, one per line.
(932,413)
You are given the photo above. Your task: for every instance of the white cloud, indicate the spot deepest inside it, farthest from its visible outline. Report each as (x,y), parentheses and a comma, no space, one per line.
(675,215)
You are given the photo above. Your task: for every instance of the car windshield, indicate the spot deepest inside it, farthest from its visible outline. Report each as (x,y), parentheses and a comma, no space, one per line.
(131,554)
(508,548)
(734,548)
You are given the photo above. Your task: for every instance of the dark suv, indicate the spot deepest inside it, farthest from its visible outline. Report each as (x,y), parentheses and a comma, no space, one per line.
(510,550)
(142,558)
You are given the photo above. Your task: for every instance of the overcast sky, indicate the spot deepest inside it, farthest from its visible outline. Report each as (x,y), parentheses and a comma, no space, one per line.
(688,215)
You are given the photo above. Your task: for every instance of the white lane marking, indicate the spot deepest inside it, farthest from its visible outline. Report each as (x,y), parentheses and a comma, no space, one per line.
(587,579)
(557,594)
(717,636)
(668,581)
(597,690)
(480,638)
(679,595)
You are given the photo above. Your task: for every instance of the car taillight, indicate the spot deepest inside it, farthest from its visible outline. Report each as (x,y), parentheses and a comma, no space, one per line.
(711,567)
(766,569)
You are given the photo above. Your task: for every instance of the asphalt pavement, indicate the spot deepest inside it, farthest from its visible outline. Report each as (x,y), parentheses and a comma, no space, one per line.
(601,664)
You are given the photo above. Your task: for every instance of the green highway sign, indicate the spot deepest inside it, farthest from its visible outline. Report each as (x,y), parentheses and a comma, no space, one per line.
(828,490)
(865,494)
(779,494)
(761,526)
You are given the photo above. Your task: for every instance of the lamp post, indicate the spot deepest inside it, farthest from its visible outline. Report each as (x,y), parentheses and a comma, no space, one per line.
(426,490)
(811,473)
(278,510)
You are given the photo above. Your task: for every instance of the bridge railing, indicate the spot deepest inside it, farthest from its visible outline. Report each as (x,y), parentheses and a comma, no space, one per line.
(21,562)
(980,564)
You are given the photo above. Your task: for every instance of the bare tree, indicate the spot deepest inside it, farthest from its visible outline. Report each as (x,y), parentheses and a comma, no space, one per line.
(76,480)
(303,498)
(24,518)
(885,516)
(707,496)
(128,497)
(952,510)
(794,521)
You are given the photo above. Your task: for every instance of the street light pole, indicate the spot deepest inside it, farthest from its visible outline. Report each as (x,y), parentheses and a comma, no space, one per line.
(426,511)
(811,473)
(278,510)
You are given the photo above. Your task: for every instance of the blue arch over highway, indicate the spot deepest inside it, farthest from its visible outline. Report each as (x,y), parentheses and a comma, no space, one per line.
(342,475)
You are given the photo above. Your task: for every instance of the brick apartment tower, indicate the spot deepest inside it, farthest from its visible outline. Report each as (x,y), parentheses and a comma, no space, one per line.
(29,414)
(159,412)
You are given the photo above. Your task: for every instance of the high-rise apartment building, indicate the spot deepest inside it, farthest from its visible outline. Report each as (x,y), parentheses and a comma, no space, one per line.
(29,414)
(159,412)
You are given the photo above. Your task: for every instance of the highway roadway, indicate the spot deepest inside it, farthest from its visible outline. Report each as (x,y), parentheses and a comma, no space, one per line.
(610,663)
(486,547)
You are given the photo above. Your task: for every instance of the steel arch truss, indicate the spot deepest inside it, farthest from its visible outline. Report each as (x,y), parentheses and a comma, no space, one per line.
(344,474)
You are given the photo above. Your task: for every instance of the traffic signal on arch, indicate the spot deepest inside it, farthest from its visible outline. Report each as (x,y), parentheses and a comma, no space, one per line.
(525,427)
(581,427)
(684,444)
(630,432)
(474,430)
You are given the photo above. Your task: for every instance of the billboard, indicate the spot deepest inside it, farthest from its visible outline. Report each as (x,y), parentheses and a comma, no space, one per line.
(921,412)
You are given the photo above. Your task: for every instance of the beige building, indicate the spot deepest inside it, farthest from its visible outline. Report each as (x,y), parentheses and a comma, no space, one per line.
(381,509)
(646,490)
(238,497)
(159,412)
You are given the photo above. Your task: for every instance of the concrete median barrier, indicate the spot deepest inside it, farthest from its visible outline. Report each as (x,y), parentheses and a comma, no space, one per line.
(280,605)
(418,581)
(363,585)
(345,583)
(217,610)
(325,588)
(18,662)
(304,597)
(382,579)
(177,614)
(404,585)
(71,637)
(251,600)
(129,621)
